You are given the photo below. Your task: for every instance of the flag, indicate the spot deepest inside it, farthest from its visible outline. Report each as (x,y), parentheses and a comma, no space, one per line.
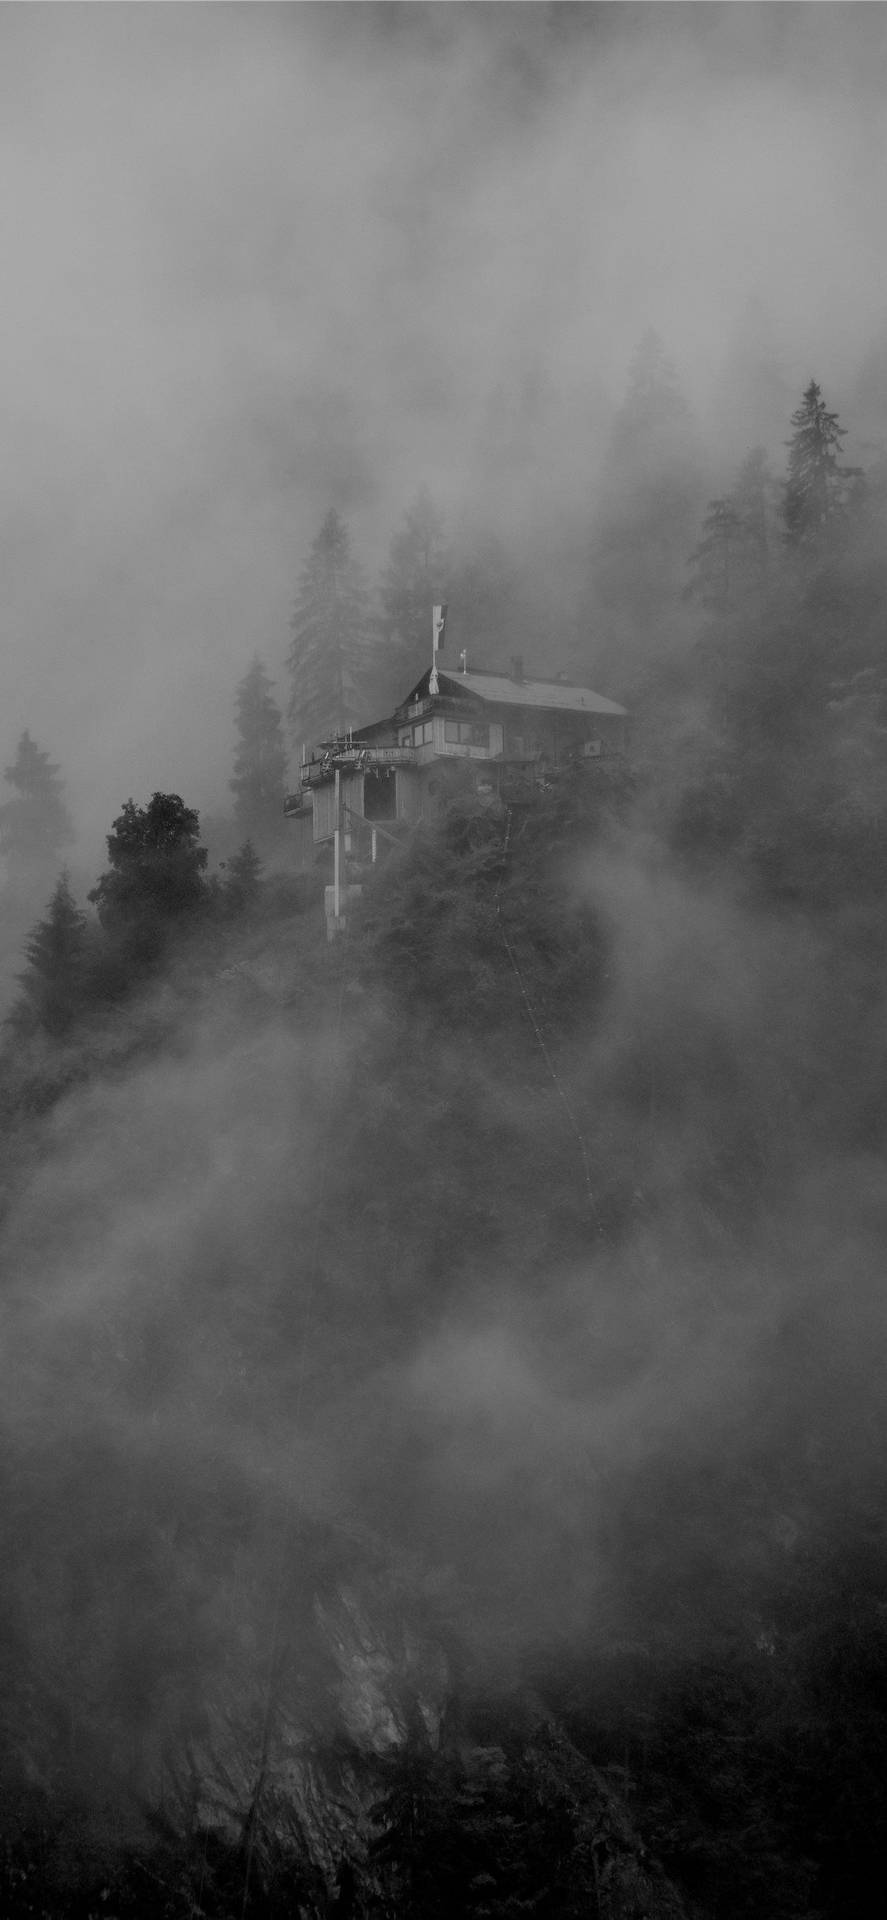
(438,627)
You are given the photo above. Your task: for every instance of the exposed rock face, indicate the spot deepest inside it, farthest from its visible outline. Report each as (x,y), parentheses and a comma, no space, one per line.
(282,1756)
(321,1757)
(298,1749)
(382,1662)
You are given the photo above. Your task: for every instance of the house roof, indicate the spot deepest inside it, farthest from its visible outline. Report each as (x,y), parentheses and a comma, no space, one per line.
(555,695)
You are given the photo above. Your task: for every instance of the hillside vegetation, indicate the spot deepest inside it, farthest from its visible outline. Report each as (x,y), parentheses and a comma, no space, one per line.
(445,1445)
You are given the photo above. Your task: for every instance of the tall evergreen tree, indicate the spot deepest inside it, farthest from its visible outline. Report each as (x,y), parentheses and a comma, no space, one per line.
(414,580)
(654,403)
(731,557)
(713,560)
(243,879)
(36,824)
(751,496)
(817,485)
(54,951)
(651,493)
(485,596)
(333,656)
(260,763)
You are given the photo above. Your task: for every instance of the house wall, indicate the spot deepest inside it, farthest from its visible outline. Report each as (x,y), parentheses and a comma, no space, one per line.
(300,841)
(408,802)
(557,736)
(324,802)
(324,799)
(409,795)
(522,733)
(464,749)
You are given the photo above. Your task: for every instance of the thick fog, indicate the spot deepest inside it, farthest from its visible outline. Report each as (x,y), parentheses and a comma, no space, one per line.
(513,1286)
(260,260)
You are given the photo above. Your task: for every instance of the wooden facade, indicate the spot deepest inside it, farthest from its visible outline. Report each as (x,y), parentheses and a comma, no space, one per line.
(376,783)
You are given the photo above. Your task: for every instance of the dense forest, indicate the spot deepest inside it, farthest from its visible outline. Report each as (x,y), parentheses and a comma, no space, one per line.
(445,1448)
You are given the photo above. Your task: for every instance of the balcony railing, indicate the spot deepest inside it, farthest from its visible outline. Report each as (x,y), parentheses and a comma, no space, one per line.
(351,757)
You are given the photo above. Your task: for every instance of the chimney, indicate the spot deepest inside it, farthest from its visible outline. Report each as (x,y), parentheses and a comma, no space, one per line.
(517,667)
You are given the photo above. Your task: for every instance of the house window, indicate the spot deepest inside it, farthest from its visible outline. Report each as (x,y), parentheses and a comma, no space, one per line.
(405,737)
(466,733)
(423,734)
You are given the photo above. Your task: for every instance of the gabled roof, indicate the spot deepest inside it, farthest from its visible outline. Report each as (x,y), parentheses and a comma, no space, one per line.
(555,695)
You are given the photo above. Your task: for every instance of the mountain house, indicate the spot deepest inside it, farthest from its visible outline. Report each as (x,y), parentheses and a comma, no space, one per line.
(506,732)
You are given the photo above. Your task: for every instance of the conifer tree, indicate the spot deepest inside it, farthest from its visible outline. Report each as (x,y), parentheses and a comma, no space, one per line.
(485,599)
(649,501)
(243,879)
(713,560)
(654,403)
(260,764)
(334,646)
(36,824)
(414,580)
(751,497)
(816,488)
(731,557)
(54,951)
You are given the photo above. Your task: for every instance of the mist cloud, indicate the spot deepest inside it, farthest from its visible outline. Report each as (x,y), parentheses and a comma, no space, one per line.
(262,260)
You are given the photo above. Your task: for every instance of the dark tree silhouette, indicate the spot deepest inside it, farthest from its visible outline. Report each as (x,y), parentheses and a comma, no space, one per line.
(334,646)
(731,558)
(260,764)
(414,580)
(243,879)
(817,485)
(650,497)
(51,986)
(485,596)
(155,874)
(713,561)
(36,824)
(653,401)
(751,497)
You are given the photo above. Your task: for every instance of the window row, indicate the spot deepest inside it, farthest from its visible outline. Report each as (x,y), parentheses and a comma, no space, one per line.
(463,733)
(466,733)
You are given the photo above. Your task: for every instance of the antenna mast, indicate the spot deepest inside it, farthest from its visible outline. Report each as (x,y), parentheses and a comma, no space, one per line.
(438,629)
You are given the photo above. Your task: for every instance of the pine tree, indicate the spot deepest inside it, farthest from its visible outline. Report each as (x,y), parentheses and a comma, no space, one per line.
(414,580)
(260,765)
(484,597)
(333,654)
(713,560)
(36,824)
(54,951)
(654,403)
(751,497)
(243,879)
(732,555)
(816,489)
(649,502)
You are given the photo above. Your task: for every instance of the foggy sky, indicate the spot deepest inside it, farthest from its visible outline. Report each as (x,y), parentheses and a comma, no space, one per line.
(258,260)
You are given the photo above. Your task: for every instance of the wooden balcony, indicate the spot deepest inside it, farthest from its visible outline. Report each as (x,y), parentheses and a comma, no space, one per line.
(351,757)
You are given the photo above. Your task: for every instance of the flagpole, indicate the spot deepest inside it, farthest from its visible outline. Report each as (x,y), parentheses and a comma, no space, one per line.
(337,854)
(438,628)
(433,686)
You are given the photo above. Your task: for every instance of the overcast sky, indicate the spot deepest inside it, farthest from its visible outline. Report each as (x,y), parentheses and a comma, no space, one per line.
(260,260)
